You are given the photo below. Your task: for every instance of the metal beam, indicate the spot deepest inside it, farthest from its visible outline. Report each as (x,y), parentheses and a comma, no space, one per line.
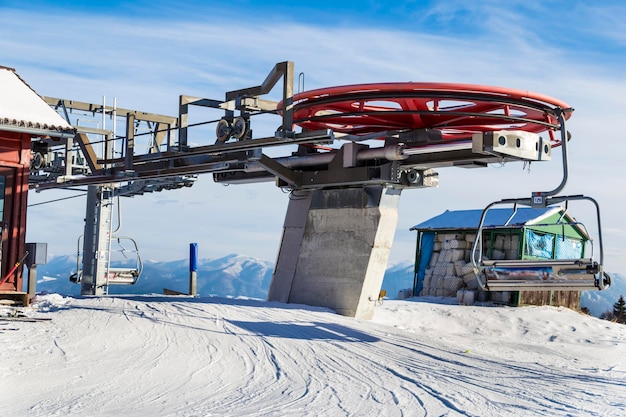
(90,154)
(290,177)
(130,142)
(317,136)
(251,104)
(284,70)
(183,115)
(199,101)
(98,108)
(281,69)
(159,137)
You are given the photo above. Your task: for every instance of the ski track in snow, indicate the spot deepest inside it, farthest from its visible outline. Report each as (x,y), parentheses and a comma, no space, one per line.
(163,356)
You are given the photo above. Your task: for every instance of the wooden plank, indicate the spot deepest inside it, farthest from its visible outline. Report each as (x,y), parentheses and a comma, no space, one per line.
(14,298)
(167,291)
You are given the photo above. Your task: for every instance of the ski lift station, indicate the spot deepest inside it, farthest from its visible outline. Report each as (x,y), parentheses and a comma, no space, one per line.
(347,153)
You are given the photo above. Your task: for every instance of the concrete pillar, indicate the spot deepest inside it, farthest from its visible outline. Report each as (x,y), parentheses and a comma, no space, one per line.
(335,248)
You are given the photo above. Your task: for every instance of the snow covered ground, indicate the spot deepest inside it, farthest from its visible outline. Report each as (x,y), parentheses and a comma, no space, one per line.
(166,356)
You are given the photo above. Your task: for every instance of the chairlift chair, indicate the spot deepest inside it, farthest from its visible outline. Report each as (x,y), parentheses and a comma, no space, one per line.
(124,275)
(579,274)
(541,274)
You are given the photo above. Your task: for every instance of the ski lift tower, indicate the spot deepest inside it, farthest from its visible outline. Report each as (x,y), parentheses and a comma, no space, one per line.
(92,153)
(357,147)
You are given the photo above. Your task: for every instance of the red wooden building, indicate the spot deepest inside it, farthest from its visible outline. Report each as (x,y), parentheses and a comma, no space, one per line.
(24,117)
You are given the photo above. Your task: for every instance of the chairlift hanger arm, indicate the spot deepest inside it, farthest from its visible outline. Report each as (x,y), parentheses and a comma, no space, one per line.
(539,198)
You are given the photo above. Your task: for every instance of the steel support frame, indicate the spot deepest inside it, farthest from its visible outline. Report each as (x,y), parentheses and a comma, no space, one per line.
(231,162)
(353,166)
(96,240)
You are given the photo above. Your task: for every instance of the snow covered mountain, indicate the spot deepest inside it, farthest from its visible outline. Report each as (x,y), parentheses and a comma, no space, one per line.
(242,276)
(229,276)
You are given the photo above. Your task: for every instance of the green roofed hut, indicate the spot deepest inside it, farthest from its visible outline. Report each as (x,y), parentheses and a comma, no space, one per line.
(444,242)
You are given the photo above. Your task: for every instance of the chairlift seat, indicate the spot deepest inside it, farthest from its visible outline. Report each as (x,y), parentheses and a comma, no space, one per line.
(542,275)
(114,275)
(122,276)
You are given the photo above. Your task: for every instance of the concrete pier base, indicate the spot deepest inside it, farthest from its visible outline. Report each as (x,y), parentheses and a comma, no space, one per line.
(335,248)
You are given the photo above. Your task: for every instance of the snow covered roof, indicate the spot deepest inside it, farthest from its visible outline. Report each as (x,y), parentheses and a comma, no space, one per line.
(23,110)
(469,219)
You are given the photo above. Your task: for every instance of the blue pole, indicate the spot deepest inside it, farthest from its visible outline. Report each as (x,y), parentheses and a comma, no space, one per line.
(193,257)
(193,268)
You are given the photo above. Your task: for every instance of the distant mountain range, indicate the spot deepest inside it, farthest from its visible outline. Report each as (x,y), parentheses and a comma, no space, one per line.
(239,275)
(232,275)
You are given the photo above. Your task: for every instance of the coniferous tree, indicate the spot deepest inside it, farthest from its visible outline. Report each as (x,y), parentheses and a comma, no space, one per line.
(619,310)
(607,315)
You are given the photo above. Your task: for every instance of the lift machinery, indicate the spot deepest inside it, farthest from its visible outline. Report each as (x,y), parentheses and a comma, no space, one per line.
(385,137)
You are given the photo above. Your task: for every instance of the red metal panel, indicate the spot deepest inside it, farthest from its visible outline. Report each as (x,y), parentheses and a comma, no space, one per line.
(457,110)
(14,165)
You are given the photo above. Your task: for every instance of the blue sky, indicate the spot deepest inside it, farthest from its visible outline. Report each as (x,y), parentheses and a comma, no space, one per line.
(147,53)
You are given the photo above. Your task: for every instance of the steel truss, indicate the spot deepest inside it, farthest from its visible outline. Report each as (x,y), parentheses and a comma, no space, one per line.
(426,126)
